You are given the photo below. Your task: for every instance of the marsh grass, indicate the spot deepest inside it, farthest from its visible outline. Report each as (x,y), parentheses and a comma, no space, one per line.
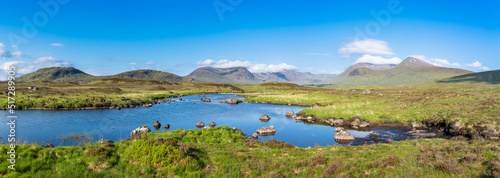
(224,152)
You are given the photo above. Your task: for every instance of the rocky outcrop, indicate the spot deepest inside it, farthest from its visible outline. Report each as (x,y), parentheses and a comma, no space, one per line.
(255,135)
(290,114)
(264,131)
(136,133)
(264,118)
(338,129)
(200,124)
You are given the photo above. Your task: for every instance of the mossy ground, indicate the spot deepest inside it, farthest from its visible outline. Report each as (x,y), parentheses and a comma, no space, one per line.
(477,104)
(223,152)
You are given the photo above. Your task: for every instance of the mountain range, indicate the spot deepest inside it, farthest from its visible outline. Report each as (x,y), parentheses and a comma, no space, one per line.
(411,70)
(240,75)
(70,74)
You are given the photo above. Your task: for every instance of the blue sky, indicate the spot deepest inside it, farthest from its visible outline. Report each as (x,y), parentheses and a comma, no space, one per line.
(104,38)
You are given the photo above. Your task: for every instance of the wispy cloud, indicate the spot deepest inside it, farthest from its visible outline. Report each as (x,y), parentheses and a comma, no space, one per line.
(57,44)
(362,47)
(378,60)
(150,63)
(133,63)
(256,68)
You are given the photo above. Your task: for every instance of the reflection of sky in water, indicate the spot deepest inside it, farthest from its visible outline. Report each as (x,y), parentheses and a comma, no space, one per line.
(47,126)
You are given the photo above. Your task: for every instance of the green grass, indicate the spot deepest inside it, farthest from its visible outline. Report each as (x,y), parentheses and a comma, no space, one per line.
(223,152)
(104,93)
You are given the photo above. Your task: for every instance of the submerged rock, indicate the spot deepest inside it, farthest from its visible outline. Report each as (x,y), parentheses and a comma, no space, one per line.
(264,131)
(289,114)
(200,124)
(265,118)
(136,133)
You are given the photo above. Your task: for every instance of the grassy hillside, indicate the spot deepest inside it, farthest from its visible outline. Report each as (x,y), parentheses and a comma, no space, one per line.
(70,74)
(235,75)
(407,72)
(147,74)
(58,74)
(491,77)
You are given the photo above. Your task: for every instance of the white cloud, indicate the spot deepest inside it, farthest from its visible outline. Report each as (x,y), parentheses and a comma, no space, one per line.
(369,46)
(478,65)
(475,64)
(318,54)
(263,68)
(132,63)
(378,60)
(23,67)
(205,63)
(257,68)
(436,61)
(150,63)
(484,68)
(57,44)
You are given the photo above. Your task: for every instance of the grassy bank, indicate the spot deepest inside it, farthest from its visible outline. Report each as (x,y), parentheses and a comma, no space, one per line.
(223,152)
(104,93)
(474,105)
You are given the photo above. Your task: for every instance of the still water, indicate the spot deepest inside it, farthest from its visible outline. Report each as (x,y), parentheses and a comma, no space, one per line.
(33,126)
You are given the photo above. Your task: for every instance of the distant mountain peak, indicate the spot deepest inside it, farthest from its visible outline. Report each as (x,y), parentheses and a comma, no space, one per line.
(414,63)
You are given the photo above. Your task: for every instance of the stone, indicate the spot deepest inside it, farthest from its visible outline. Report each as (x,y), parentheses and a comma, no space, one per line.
(289,114)
(364,124)
(136,133)
(212,124)
(157,124)
(264,131)
(338,129)
(337,122)
(299,118)
(104,141)
(343,136)
(167,126)
(200,124)
(265,118)
(255,135)
(208,100)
